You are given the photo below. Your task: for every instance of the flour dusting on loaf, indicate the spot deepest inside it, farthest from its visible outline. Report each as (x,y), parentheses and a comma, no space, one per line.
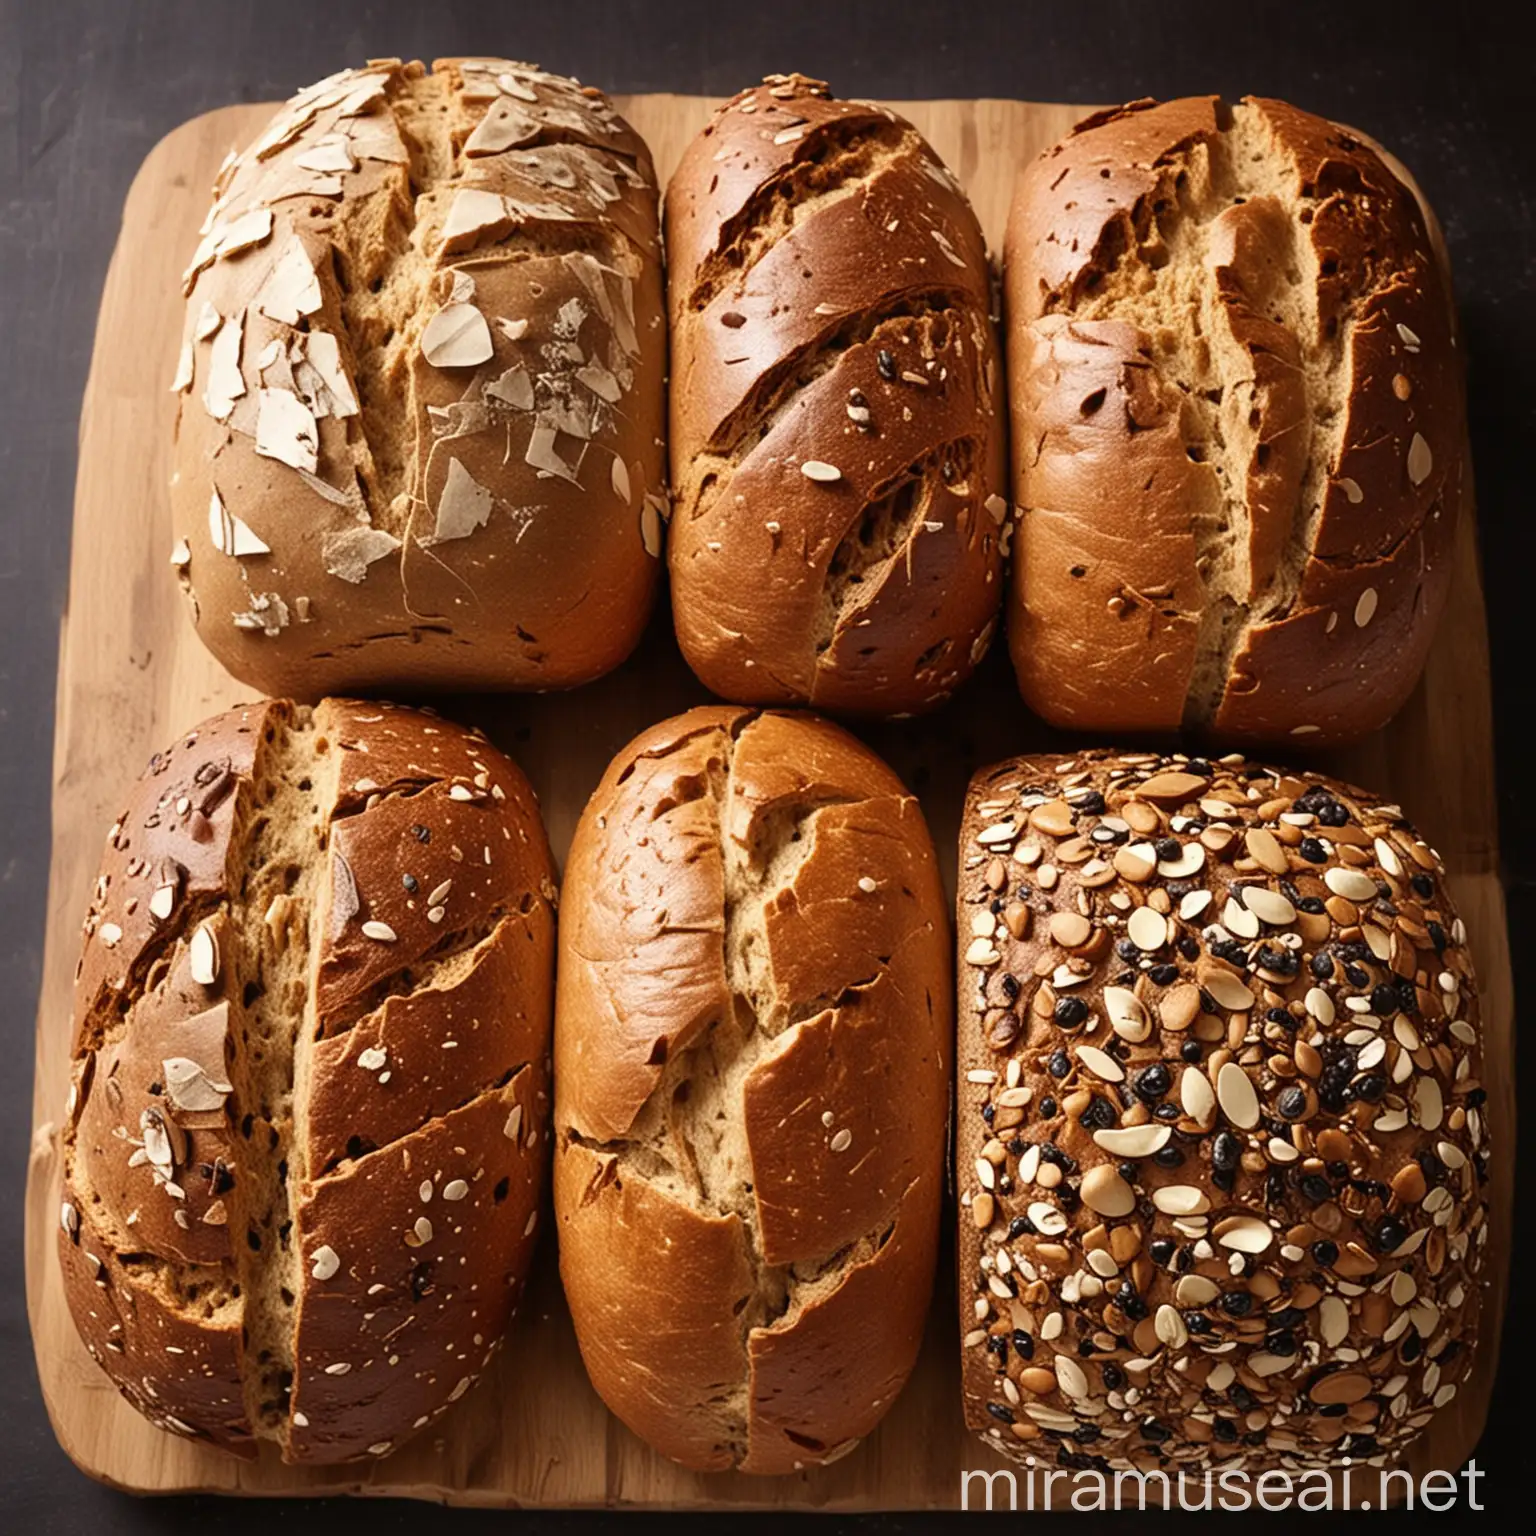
(1220,1146)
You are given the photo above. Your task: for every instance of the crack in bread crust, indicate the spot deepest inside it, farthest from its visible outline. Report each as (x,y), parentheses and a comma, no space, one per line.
(829,306)
(720,1055)
(205,1221)
(1234,366)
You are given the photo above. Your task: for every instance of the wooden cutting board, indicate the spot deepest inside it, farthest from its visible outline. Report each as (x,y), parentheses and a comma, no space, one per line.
(132,675)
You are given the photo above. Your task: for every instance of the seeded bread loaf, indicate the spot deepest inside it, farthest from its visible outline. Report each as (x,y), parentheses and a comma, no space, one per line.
(420,387)
(752,1048)
(1221,1151)
(836,411)
(1238,426)
(306,1136)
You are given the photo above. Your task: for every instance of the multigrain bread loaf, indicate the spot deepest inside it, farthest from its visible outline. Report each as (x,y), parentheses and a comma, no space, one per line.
(752,1066)
(836,411)
(307,1129)
(1239,440)
(1220,1140)
(420,387)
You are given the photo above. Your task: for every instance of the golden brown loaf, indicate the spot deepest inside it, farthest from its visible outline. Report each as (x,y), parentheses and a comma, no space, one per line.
(1220,1143)
(752,1057)
(836,411)
(307,1129)
(1238,429)
(419,437)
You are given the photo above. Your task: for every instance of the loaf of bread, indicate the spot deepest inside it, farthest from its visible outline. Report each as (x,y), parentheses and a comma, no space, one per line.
(837,449)
(420,387)
(1238,426)
(1220,1143)
(752,1046)
(308,1125)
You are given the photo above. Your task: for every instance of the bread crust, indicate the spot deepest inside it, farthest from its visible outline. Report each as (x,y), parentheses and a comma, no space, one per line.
(303,1153)
(1220,1150)
(422,381)
(752,1058)
(836,433)
(1238,424)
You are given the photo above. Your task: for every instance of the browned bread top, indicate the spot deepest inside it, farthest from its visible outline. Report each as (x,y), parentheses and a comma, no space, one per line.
(1238,435)
(302,1156)
(420,387)
(836,424)
(752,1057)
(1220,1146)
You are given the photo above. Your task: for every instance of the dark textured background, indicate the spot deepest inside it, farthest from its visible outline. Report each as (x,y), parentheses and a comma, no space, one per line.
(86,89)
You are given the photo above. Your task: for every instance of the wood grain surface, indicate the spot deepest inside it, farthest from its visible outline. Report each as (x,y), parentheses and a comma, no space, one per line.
(132,674)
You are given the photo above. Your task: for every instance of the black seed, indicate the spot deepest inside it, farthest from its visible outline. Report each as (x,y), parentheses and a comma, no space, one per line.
(1023,1344)
(1048,1107)
(1279,962)
(1384,1000)
(1059,1064)
(1113,1377)
(887,366)
(1153,1082)
(1388,1235)
(1325,1252)
(1164,975)
(1000,1411)
(1169,848)
(1292,1103)
(1197,1322)
(1236,1303)
(1168,1157)
(1313,851)
(1226,1151)
(1069,1013)
(1155,1431)
(421,834)
(1316,1188)
(1191,1051)
(1019,1227)
(1100,1115)
(1161,1250)
(1322,966)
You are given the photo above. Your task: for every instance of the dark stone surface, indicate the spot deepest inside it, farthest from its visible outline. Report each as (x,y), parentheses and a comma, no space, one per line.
(86,89)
